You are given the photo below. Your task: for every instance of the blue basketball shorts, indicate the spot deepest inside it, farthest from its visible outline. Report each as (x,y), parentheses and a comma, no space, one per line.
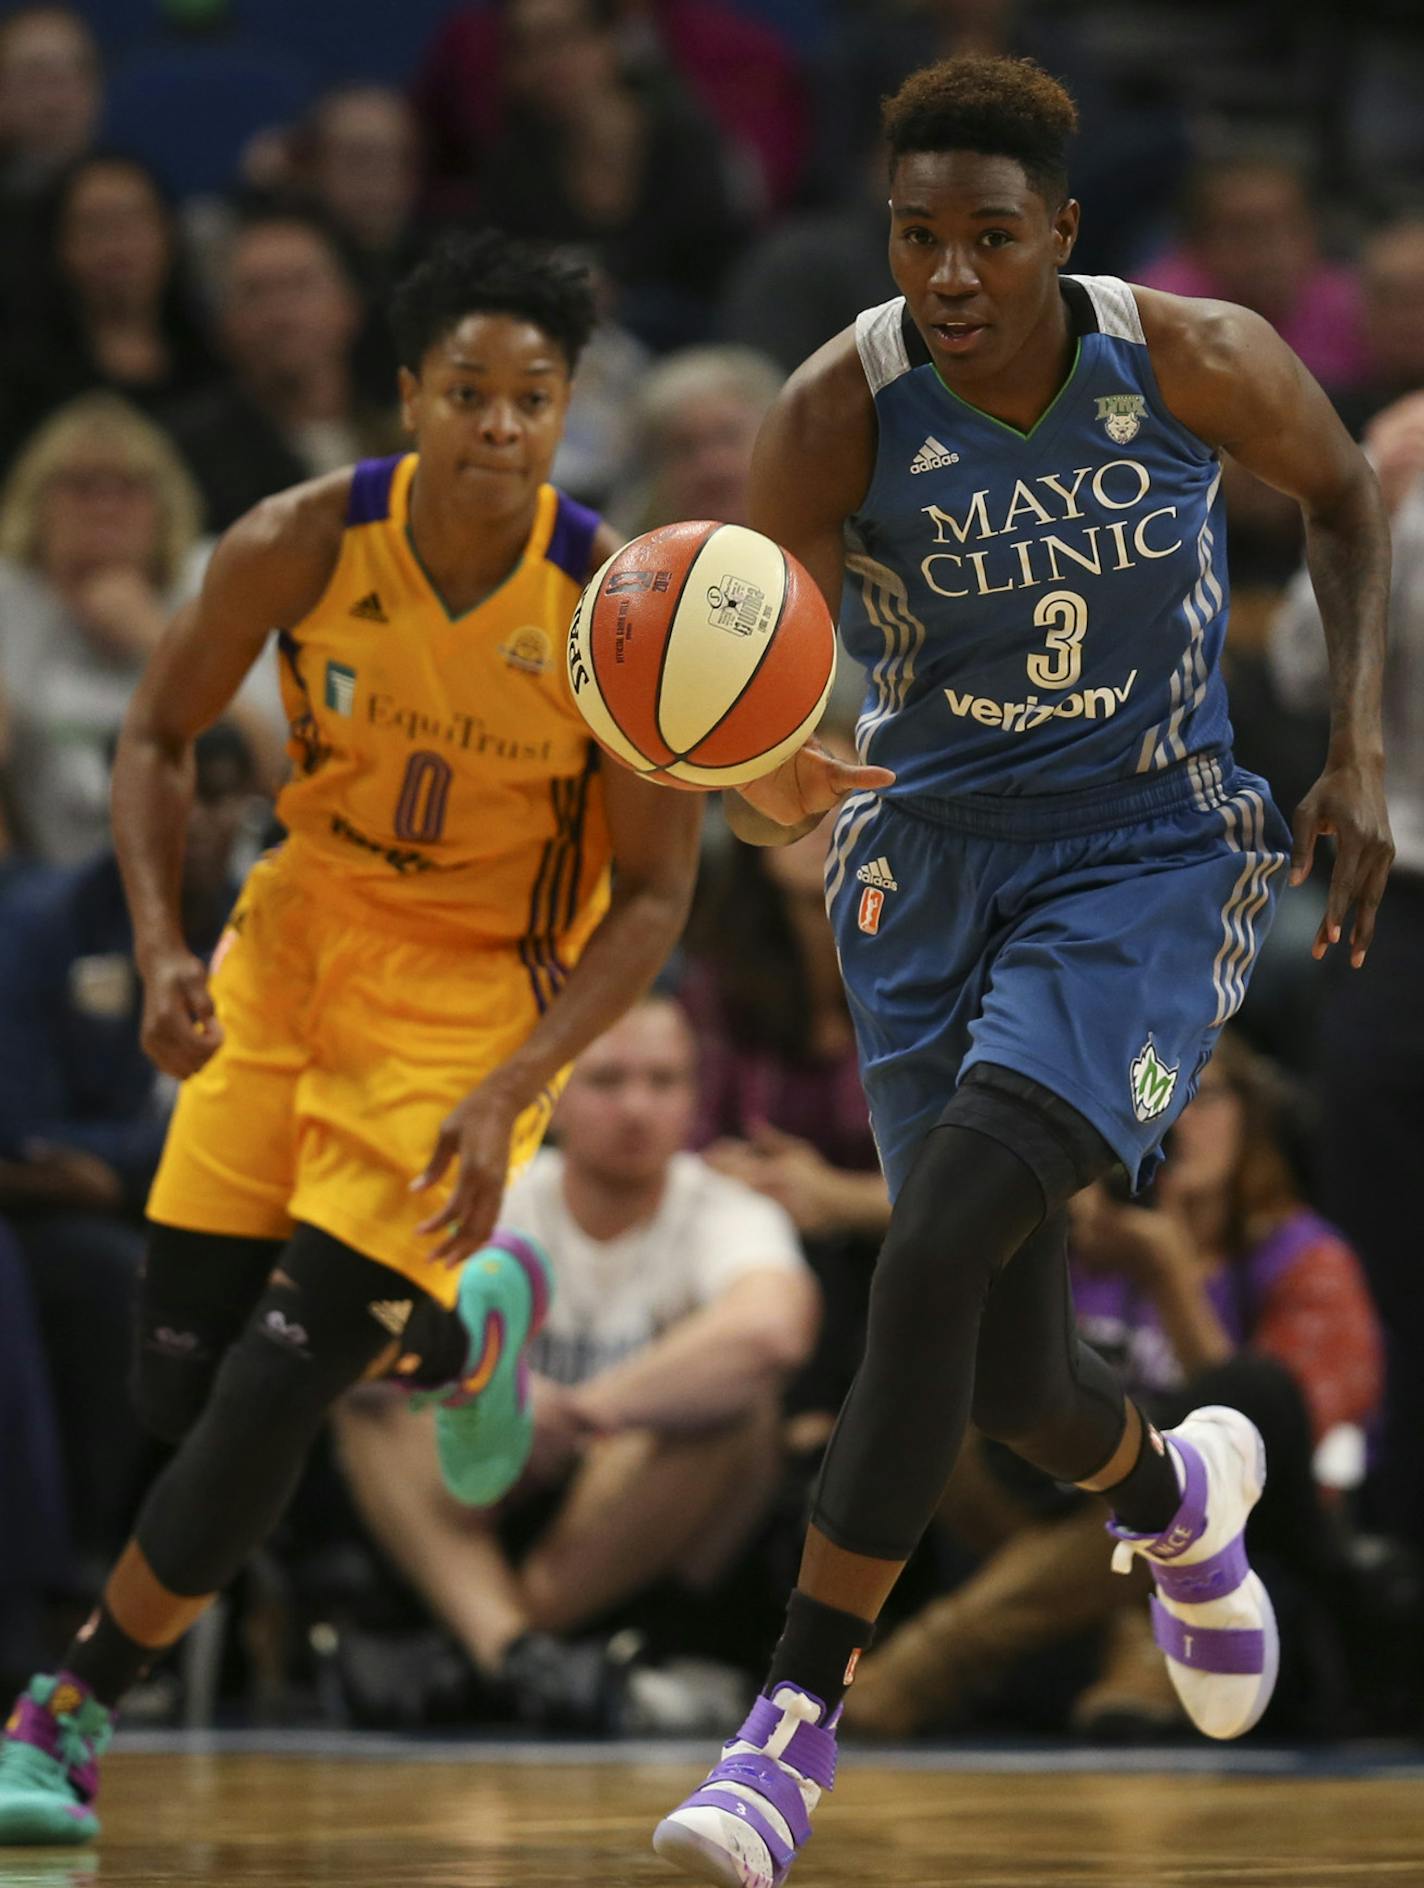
(1095,941)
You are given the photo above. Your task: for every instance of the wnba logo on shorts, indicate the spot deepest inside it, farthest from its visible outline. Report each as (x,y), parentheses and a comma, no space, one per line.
(872,903)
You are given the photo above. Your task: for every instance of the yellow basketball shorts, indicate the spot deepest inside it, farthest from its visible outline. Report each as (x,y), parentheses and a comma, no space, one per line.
(344,1048)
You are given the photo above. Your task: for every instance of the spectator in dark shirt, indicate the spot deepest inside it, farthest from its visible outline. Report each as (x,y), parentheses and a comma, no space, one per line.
(288,316)
(738,68)
(50,99)
(112,307)
(357,163)
(587,154)
(82,1118)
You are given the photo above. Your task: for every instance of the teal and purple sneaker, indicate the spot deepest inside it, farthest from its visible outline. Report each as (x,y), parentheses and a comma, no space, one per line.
(49,1764)
(484,1425)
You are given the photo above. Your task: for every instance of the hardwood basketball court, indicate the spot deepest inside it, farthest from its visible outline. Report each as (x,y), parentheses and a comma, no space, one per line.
(298,1811)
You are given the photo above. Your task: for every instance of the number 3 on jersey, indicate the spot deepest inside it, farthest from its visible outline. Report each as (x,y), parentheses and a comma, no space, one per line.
(1064,614)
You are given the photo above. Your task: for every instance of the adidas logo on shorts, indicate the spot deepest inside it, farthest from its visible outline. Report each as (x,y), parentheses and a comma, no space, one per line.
(392,1314)
(932,455)
(878,874)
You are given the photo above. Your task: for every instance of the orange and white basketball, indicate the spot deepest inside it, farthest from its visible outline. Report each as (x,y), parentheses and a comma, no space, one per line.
(701,655)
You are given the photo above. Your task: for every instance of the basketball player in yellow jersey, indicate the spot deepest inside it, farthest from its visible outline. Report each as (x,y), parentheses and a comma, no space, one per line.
(403,981)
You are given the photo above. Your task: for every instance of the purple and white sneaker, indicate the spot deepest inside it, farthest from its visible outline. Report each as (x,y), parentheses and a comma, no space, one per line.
(745,1825)
(1211,1615)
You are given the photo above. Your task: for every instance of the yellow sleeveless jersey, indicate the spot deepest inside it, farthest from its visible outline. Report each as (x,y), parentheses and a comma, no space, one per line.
(442,774)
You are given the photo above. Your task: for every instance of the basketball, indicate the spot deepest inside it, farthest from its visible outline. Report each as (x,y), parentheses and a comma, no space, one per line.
(701,655)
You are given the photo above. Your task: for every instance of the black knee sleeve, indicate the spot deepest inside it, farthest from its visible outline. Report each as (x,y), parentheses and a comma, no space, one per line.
(197,1292)
(1005,1156)
(320,1324)
(1037,1386)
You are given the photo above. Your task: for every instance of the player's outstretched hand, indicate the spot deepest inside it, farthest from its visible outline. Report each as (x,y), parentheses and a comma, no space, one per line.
(475,1136)
(811,783)
(1347,801)
(180,1029)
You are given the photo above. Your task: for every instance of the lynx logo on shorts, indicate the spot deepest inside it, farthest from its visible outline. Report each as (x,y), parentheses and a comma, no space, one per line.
(872,903)
(340,688)
(1122,415)
(1153,1083)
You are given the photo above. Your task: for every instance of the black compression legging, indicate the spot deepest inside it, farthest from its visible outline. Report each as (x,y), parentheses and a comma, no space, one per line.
(971,1316)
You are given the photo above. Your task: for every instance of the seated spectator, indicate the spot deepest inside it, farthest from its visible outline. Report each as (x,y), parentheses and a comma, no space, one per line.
(587,154)
(738,68)
(111,307)
(683,1305)
(1231,1291)
(288,316)
(695,420)
(1250,235)
(1126,161)
(98,545)
(357,163)
(34,1516)
(1370,1054)
(1392,279)
(82,1119)
(51,96)
(596,450)
(811,274)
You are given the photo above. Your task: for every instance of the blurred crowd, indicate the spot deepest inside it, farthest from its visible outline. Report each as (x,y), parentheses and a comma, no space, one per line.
(203,207)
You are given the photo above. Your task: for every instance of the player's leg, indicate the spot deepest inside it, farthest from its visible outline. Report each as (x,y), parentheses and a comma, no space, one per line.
(196,1292)
(313,1333)
(645,1507)
(1005,1155)
(408,1030)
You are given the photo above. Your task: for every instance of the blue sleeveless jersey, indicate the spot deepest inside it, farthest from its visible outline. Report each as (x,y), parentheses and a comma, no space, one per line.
(1038,612)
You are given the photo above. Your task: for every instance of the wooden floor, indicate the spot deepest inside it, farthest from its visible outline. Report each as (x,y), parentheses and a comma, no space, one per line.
(388,1818)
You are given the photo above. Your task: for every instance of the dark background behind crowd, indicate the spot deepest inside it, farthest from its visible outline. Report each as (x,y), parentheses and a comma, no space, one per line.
(203,207)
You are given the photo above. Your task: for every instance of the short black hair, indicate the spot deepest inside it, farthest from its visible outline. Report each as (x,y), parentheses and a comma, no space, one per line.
(491,273)
(997,107)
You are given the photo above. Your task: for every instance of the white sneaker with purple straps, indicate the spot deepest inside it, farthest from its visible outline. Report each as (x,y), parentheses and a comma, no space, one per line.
(1211,1615)
(745,1825)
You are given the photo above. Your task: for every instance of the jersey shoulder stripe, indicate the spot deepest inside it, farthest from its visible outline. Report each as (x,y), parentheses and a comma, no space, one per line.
(370,499)
(571,539)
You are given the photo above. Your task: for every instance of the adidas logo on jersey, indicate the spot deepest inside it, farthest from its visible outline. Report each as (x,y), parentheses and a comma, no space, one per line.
(878,873)
(392,1314)
(369,609)
(932,455)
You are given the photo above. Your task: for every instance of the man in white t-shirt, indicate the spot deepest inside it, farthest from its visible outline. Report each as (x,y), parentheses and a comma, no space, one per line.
(683,1305)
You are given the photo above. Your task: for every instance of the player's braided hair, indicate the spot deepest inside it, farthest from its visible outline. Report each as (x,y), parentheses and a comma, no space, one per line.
(488,272)
(996,106)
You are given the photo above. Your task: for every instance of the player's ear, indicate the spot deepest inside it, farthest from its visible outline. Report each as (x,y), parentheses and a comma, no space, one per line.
(409,385)
(1065,229)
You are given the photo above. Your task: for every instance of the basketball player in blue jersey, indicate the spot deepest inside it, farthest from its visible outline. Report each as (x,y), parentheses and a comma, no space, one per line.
(1007,481)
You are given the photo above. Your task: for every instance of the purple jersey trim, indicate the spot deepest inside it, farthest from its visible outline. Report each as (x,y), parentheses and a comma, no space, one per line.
(370,499)
(571,540)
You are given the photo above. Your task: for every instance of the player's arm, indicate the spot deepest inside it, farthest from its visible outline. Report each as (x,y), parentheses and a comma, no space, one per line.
(1230,378)
(268,570)
(655,832)
(715,1364)
(810,470)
